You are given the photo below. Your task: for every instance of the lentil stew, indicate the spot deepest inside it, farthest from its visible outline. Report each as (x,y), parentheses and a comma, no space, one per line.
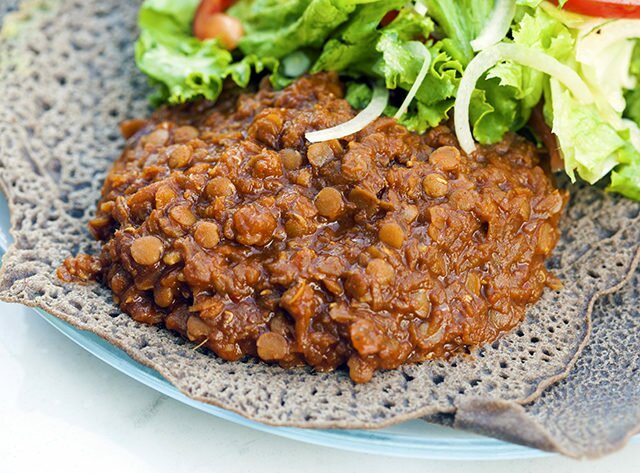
(222,223)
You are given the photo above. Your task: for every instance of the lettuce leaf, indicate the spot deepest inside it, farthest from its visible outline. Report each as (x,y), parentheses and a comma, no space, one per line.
(358,94)
(280,36)
(625,180)
(632,96)
(460,21)
(276,28)
(182,67)
(510,91)
(360,48)
(288,38)
(593,143)
(589,144)
(352,48)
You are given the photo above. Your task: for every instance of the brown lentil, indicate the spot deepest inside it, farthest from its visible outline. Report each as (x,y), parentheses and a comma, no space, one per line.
(182,134)
(147,250)
(291,159)
(318,154)
(206,235)
(391,234)
(180,156)
(220,186)
(272,346)
(254,225)
(446,158)
(163,296)
(435,185)
(128,128)
(197,328)
(164,196)
(172,257)
(183,215)
(329,203)
(157,137)
(381,271)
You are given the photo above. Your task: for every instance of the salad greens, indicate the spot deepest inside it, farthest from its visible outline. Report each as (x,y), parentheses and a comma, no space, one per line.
(180,64)
(364,43)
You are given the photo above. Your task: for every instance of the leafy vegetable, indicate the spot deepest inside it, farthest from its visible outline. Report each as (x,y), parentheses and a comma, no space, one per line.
(589,144)
(633,95)
(183,67)
(353,47)
(594,139)
(460,22)
(365,44)
(626,178)
(358,94)
(276,29)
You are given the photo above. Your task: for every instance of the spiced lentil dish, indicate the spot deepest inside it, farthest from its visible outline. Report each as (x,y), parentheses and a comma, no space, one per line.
(221,222)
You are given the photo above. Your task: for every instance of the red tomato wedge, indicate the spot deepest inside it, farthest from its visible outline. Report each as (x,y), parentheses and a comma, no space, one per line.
(210,22)
(605,8)
(209,7)
(389,17)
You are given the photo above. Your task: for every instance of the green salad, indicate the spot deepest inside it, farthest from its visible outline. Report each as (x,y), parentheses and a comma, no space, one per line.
(485,63)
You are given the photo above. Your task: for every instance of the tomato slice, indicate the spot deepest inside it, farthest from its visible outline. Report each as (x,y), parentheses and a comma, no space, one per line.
(209,7)
(210,22)
(605,8)
(389,17)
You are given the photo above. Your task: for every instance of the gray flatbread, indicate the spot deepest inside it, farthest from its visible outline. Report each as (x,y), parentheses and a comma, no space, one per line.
(67,78)
(592,412)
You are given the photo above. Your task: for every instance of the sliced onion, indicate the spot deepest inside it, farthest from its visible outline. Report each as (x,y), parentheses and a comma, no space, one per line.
(604,36)
(372,111)
(415,87)
(498,25)
(604,53)
(523,55)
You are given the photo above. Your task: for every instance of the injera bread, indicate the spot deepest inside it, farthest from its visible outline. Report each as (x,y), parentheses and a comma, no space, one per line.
(67,77)
(592,412)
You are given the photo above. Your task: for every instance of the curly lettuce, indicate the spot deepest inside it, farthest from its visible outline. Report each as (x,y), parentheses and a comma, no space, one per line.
(180,65)
(391,41)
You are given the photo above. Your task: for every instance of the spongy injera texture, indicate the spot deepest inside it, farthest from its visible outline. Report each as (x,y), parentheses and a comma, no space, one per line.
(68,77)
(595,409)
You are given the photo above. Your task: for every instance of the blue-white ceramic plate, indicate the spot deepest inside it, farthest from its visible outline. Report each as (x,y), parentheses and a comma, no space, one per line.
(415,439)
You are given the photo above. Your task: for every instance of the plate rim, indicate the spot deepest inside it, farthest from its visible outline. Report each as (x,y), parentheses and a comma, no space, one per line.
(358,440)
